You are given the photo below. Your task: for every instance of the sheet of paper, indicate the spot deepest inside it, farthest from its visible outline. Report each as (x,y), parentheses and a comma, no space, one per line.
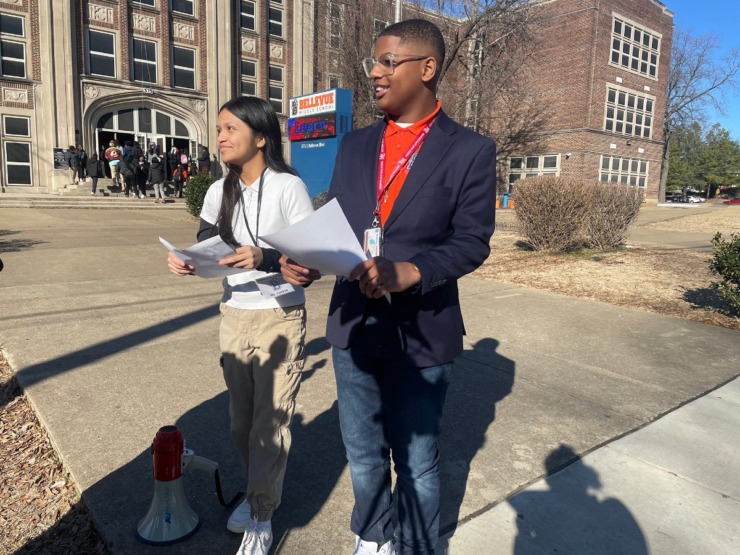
(204,256)
(323,241)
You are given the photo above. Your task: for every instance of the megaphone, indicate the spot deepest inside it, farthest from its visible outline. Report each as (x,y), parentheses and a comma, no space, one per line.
(170,518)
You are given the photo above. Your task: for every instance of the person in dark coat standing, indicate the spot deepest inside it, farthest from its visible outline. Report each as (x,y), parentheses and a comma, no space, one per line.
(156,178)
(204,160)
(83,162)
(128,171)
(95,169)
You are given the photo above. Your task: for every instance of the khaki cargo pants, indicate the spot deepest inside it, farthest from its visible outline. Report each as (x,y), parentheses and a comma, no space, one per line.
(262,360)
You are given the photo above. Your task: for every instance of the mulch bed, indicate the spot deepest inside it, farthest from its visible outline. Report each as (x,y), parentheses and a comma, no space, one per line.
(40,507)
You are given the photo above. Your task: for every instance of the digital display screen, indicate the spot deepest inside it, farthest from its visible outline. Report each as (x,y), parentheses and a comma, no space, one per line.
(312,127)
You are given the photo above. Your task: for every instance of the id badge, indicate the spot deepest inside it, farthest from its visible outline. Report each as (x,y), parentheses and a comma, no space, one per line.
(273,286)
(373,238)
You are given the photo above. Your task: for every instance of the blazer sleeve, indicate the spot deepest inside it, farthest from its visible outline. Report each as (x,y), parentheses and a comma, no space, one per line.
(468,245)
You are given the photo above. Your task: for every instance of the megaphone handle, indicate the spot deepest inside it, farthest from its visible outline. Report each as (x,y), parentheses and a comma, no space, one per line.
(220,494)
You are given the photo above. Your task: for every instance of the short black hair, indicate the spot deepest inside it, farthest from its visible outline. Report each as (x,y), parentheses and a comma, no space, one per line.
(419,31)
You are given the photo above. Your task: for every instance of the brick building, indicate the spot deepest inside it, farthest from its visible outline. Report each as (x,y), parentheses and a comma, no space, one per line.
(87,71)
(602,70)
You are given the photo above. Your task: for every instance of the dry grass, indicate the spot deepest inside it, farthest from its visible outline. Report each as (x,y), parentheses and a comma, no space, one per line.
(40,507)
(725,221)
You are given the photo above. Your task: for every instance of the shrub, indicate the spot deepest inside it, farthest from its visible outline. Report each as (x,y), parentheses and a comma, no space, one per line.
(726,263)
(195,192)
(552,212)
(614,207)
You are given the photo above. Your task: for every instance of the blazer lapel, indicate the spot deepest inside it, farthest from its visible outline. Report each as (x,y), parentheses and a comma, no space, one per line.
(431,153)
(369,172)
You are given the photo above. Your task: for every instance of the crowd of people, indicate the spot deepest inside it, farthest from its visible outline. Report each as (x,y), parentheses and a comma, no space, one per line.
(134,170)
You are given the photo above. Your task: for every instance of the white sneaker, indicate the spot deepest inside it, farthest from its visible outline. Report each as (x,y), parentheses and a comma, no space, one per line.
(239,517)
(363,547)
(257,538)
(142,196)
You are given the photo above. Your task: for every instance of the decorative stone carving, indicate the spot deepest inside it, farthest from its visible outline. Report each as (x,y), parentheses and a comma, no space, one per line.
(199,106)
(182,31)
(91,91)
(16,2)
(15,95)
(144,23)
(103,14)
(276,52)
(249,45)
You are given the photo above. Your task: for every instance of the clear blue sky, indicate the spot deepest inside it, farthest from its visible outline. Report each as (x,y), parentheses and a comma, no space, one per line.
(721,17)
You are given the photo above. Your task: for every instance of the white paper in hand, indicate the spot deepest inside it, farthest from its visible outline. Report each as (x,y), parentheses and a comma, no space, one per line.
(323,241)
(204,256)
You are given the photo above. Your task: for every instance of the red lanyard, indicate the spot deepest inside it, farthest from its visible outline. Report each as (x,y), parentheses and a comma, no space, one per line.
(383,189)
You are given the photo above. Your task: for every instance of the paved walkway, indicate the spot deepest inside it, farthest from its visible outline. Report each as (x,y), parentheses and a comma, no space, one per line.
(110,347)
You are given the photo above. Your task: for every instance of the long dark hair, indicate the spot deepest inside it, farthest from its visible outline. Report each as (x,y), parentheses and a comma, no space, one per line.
(261,117)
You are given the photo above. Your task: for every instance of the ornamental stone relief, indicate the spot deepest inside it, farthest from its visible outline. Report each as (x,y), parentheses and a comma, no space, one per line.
(199,106)
(14,2)
(15,95)
(182,31)
(249,45)
(144,23)
(100,13)
(91,91)
(276,52)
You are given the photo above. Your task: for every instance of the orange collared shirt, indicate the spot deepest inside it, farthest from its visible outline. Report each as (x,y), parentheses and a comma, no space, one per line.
(397,140)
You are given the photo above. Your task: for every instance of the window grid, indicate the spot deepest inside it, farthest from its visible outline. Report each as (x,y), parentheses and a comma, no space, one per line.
(183,67)
(249,78)
(145,61)
(276,87)
(276,21)
(628,171)
(335,26)
(248,17)
(536,165)
(149,3)
(17,163)
(12,25)
(12,59)
(183,6)
(635,48)
(101,53)
(628,113)
(16,126)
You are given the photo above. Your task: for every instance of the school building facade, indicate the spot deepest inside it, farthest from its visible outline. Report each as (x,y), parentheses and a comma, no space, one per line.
(84,72)
(602,71)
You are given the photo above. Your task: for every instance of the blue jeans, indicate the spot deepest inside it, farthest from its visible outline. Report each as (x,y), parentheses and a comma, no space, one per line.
(386,406)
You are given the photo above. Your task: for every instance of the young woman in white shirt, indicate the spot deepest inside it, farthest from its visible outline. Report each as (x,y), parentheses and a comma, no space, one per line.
(262,331)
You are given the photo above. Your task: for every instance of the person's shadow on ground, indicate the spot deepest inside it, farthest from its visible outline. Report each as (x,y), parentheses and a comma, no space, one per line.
(123,497)
(569,518)
(481,378)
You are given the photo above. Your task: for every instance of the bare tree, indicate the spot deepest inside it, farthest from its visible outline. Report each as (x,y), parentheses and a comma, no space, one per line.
(696,82)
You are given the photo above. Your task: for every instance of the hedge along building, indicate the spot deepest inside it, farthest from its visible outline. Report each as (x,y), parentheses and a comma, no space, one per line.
(85,72)
(602,71)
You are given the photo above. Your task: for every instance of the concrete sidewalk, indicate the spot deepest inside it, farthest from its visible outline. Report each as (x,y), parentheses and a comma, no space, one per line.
(110,347)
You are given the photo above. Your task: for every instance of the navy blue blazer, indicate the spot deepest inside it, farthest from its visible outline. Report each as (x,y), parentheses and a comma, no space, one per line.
(442,221)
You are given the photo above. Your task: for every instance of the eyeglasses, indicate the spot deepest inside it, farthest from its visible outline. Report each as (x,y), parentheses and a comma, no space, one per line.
(388,62)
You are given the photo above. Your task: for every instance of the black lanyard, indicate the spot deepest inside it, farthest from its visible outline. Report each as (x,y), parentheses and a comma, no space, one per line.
(259,207)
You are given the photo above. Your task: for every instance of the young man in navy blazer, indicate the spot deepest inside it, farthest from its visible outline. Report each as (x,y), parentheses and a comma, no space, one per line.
(424,188)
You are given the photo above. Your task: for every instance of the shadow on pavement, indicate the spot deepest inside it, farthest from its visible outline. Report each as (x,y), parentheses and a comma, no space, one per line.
(481,378)
(16,245)
(569,517)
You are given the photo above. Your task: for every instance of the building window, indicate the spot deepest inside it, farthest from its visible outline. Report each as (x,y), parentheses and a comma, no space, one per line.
(17,163)
(629,171)
(248,21)
(149,3)
(145,61)
(183,67)
(11,25)
(333,82)
(379,25)
(101,53)
(276,21)
(12,59)
(183,6)
(335,25)
(16,126)
(628,113)
(249,78)
(276,88)
(635,48)
(522,167)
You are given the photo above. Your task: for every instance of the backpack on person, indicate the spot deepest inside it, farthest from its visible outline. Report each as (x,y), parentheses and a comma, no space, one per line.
(74,160)
(178,176)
